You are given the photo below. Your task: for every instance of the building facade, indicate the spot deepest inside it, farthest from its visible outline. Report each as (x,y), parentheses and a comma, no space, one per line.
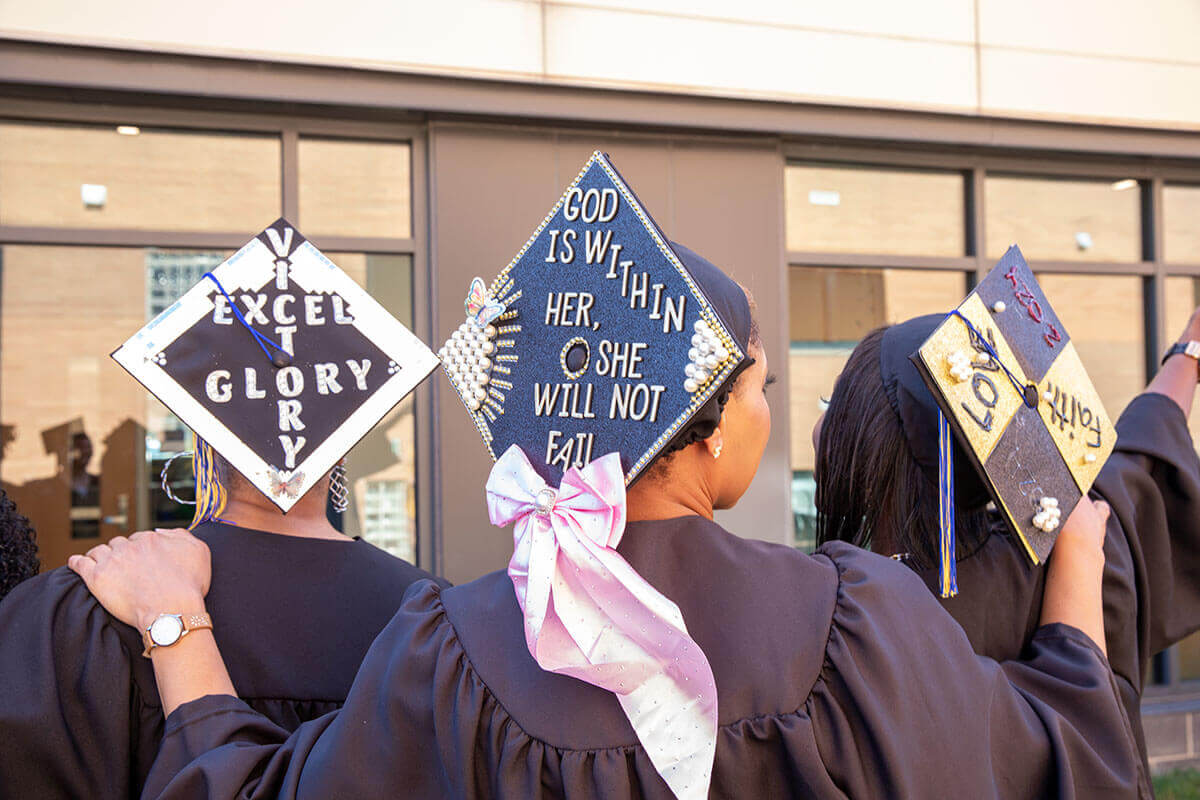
(852,164)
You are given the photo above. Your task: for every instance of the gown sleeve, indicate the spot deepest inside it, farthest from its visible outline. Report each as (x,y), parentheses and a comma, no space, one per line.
(76,716)
(1152,482)
(905,709)
(379,743)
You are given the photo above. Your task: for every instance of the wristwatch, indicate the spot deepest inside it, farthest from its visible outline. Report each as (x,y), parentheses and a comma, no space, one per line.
(168,629)
(1190,348)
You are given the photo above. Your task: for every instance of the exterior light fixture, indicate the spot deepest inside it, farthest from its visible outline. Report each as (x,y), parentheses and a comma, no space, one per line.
(1122,185)
(128,130)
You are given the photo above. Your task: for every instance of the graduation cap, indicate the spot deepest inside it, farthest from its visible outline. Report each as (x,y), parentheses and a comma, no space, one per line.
(1009,383)
(279,361)
(600,336)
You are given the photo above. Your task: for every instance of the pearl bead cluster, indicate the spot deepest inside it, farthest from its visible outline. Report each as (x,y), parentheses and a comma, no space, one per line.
(1048,515)
(467,356)
(707,353)
(960,366)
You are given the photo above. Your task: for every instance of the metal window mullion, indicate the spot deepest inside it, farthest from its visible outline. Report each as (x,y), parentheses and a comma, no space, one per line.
(976,221)
(290,176)
(1153,285)
(425,396)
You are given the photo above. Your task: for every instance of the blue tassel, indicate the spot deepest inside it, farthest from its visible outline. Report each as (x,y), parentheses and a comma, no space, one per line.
(947,568)
(210,494)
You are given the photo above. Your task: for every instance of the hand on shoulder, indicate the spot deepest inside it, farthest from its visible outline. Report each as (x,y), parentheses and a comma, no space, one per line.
(147,574)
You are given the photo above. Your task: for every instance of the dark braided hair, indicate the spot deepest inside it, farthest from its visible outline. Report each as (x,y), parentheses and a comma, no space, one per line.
(870,490)
(18,546)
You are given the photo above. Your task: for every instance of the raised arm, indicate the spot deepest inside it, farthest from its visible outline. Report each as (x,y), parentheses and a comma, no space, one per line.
(935,720)
(1177,377)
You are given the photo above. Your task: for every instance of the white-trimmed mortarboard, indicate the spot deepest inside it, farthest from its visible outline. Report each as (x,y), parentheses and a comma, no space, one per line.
(279,361)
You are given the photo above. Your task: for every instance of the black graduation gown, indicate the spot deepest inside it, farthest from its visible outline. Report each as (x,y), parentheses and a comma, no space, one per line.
(1152,557)
(837,675)
(79,711)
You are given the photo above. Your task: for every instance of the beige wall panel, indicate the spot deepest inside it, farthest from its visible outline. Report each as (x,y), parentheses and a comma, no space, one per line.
(1088,88)
(497,184)
(1181,224)
(53,375)
(155,180)
(943,20)
(729,207)
(478,36)
(1159,30)
(490,189)
(723,57)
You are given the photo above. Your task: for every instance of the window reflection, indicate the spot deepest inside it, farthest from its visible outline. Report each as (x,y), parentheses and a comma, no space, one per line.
(1065,220)
(853,209)
(1181,223)
(381,469)
(830,310)
(1103,315)
(83,443)
(91,176)
(352,188)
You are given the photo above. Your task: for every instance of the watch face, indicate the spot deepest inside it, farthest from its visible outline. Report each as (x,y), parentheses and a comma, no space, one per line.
(166,630)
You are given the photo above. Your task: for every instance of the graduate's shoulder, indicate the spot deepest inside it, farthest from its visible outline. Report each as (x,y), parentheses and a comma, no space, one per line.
(882,584)
(59,603)
(382,564)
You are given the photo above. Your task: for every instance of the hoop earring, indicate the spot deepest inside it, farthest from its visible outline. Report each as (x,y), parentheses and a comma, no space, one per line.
(717,450)
(166,487)
(339,491)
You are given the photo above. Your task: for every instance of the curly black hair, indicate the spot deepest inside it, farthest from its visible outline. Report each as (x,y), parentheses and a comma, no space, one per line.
(18,546)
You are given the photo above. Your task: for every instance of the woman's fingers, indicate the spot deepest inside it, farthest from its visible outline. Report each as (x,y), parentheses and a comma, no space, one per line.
(84,567)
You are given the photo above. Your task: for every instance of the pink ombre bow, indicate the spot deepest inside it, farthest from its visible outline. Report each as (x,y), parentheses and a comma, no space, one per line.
(590,615)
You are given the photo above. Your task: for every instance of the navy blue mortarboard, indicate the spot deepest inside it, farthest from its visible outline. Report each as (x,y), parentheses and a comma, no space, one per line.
(600,336)
(277,360)
(1002,374)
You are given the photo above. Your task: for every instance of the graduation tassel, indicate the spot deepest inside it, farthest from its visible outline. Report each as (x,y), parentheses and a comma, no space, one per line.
(210,494)
(947,568)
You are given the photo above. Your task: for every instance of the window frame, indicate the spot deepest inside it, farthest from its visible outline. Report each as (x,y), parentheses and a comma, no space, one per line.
(288,128)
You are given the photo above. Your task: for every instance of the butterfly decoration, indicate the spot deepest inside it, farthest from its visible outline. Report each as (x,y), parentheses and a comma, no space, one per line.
(480,306)
(290,487)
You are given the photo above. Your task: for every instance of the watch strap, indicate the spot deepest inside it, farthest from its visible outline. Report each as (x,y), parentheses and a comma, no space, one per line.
(1189,348)
(191,622)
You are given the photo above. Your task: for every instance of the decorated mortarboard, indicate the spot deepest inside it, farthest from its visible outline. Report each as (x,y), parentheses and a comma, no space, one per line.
(600,336)
(1012,388)
(279,361)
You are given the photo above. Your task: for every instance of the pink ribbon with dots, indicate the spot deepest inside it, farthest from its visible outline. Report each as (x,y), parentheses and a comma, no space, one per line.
(590,615)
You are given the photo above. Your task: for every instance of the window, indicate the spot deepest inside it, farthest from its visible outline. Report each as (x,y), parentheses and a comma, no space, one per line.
(831,309)
(853,209)
(381,470)
(92,176)
(354,188)
(81,443)
(1181,223)
(1063,220)
(1103,315)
